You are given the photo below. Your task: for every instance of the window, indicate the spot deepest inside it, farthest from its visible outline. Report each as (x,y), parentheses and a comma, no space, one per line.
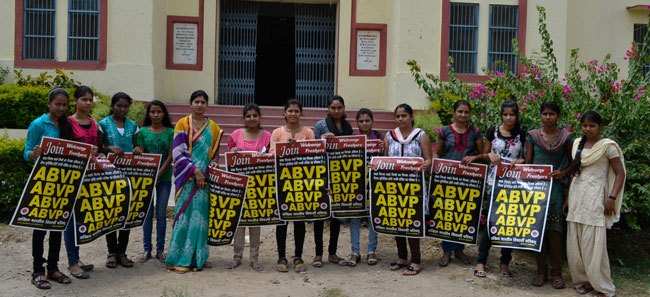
(640,30)
(463,36)
(39,29)
(504,20)
(83,30)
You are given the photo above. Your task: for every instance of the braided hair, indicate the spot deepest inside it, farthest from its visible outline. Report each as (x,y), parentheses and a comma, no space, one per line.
(591,116)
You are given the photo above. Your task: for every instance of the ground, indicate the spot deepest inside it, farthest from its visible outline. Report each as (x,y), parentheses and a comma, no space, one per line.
(151,279)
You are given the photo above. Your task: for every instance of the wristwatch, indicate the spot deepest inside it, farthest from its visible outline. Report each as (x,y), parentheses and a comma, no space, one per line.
(612,197)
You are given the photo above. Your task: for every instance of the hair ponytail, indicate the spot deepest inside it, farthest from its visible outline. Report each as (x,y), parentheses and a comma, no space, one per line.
(574,167)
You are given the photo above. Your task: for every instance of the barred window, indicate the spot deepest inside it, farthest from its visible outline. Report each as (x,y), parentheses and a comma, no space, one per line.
(463,36)
(39,29)
(640,30)
(83,30)
(504,22)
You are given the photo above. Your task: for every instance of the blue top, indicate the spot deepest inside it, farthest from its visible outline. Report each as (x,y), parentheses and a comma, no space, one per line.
(41,126)
(113,137)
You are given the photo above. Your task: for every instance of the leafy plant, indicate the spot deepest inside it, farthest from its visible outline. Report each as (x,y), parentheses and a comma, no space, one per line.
(4,70)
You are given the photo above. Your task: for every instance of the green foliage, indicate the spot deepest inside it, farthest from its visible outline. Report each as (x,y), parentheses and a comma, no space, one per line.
(14,174)
(4,70)
(428,121)
(592,85)
(60,79)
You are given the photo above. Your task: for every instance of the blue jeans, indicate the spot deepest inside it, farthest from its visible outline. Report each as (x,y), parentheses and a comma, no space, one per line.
(70,248)
(448,246)
(355,234)
(162,197)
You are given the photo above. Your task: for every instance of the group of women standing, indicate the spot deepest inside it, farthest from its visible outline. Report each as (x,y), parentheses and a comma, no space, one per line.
(587,183)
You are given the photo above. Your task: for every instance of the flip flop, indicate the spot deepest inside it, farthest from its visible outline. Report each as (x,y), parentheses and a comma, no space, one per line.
(558,283)
(480,273)
(397,265)
(411,270)
(584,289)
(372,259)
(317,262)
(59,277)
(40,282)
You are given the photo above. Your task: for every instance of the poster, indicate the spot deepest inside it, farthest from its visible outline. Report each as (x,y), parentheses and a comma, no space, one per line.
(103,201)
(519,205)
(456,192)
(227,191)
(142,171)
(185,43)
(302,180)
(260,204)
(397,191)
(374,148)
(368,49)
(347,171)
(51,189)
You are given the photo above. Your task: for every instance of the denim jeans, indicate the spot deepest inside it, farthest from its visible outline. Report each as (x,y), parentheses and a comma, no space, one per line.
(355,235)
(162,197)
(70,248)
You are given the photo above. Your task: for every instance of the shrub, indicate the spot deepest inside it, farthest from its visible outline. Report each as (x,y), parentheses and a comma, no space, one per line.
(428,121)
(591,85)
(4,70)
(15,172)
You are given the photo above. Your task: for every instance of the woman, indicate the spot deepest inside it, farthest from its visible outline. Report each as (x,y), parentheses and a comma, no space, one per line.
(156,138)
(333,125)
(196,143)
(83,129)
(595,199)
(459,141)
(291,131)
(251,138)
(50,124)
(364,123)
(119,137)
(407,141)
(551,145)
(505,145)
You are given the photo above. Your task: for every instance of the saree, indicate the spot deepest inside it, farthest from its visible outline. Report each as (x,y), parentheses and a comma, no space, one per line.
(193,149)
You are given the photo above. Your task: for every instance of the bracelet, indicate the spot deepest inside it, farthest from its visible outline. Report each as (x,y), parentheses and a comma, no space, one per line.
(612,197)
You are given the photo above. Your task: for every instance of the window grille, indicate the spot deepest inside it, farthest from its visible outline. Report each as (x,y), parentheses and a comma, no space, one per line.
(504,26)
(83,30)
(39,29)
(463,36)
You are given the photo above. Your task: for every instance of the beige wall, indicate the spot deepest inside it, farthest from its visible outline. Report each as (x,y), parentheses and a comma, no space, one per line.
(137,44)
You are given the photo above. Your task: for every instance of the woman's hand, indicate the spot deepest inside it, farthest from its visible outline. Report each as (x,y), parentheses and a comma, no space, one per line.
(200,179)
(557,174)
(138,150)
(494,158)
(116,150)
(468,159)
(36,152)
(610,206)
(327,135)
(426,165)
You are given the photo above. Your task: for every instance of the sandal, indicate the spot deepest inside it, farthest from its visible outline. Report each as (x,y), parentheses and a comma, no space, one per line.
(539,280)
(334,259)
(145,257)
(180,269)
(161,256)
(234,264)
(76,271)
(505,271)
(39,281)
(111,261)
(298,265)
(352,261)
(444,260)
(558,283)
(584,289)
(372,259)
(125,261)
(282,266)
(86,267)
(59,277)
(412,269)
(398,265)
(317,262)
(480,272)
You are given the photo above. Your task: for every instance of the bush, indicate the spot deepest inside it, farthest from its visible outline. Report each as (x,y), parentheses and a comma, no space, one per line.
(428,121)
(591,85)
(15,172)
(4,70)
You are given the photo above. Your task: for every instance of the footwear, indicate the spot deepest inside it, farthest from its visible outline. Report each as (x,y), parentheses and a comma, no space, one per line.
(398,265)
(145,257)
(539,280)
(317,262)
(160,255)
(257,266)
(180,269)
(372,259)
(58,277)
(334,259)
(299,265)
(76,271)
(125,261)
(282,266)
(505,270)
(351,261)
(413,269)
(86,267)
(558,282)
(584,289)
(444,260)
(39,281)
(460,255)
(234,264)
(111,261)
(479,271)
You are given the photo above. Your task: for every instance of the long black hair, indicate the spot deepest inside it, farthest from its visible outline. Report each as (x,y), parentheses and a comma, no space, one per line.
(80,91)
(590,116)
(408,109)
(339,99)
(117,97)
(65,129)
(166,120)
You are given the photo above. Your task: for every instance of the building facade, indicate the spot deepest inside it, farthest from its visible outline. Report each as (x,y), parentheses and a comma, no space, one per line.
(267,51)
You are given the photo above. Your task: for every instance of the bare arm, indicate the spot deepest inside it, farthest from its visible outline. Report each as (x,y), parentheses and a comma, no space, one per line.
(610,203)
(425,146)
